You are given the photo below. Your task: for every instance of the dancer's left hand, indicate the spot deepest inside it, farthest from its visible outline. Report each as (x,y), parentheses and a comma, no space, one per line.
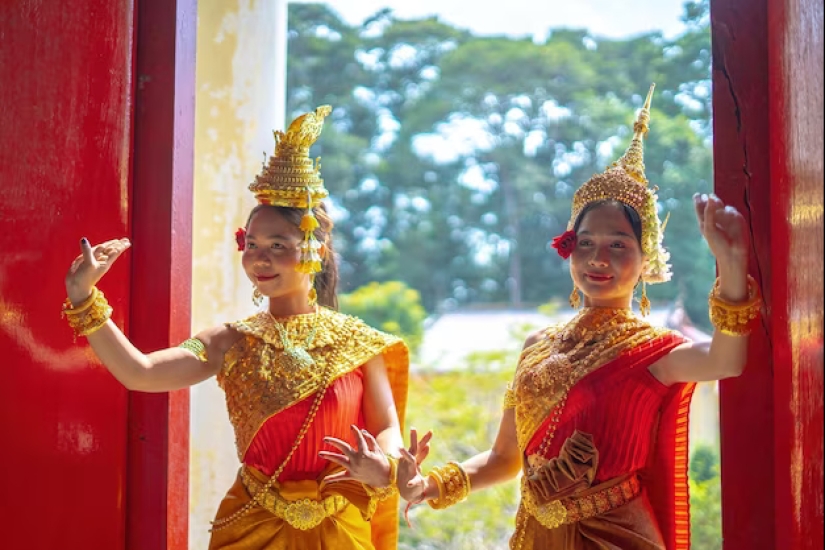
(366,463)
(725,230)
(412,483)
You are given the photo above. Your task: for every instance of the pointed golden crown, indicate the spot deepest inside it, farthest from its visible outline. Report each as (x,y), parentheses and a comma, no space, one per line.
(625,181)
(291,178)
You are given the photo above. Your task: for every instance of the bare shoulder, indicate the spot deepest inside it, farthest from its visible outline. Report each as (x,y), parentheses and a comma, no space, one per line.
(218,339)
(534,338)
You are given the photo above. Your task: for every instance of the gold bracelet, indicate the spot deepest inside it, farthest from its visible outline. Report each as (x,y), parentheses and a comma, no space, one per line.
(90,316)
(735,319)
(68,308)
(383,493)
(453,485)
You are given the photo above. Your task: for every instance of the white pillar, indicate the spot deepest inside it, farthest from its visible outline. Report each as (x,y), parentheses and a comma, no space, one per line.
(280,36)
(240,99)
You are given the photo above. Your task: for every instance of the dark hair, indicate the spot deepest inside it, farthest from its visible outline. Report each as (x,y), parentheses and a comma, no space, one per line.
(629,213)
(326,282)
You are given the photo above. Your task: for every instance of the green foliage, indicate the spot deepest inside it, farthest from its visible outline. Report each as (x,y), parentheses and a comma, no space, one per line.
(463,409)
(392,307)
(705,499)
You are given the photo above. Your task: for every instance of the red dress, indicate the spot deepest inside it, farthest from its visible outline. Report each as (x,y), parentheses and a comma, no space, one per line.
(339,409)
(638,426)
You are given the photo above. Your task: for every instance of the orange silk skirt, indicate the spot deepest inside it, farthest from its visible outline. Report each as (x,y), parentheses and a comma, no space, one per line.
(260,529)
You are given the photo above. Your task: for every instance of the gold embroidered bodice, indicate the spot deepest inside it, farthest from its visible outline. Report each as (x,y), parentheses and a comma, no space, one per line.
(548,369)
(260,381)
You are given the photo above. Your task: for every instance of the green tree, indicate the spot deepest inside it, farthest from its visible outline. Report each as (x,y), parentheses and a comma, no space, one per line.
(392,307)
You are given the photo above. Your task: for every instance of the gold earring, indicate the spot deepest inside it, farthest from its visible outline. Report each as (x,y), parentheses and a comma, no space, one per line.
(313,294)
(644,303)
(575,299)
(257,297)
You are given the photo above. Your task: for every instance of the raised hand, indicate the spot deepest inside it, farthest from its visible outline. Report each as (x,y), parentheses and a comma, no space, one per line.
(91,265)
(366,463)
(724,229)
(412,484)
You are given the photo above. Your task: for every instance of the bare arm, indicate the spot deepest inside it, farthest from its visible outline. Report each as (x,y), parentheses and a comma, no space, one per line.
(499,464)
(724,356)
(367,462)
(380,414)
(161,371)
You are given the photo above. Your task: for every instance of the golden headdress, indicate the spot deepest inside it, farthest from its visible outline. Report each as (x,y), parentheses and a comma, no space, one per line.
(292,179)
(624,181)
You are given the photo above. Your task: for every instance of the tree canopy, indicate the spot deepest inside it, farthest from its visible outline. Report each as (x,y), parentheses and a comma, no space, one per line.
(451,158)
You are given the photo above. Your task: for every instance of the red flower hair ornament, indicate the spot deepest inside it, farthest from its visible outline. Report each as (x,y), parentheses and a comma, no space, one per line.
(565,243)
(240,238)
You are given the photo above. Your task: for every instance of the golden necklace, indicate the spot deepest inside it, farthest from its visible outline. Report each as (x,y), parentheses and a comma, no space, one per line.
(296,357)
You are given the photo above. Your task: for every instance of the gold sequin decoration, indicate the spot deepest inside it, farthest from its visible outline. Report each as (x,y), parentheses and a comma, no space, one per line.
(509,398)
(259,382)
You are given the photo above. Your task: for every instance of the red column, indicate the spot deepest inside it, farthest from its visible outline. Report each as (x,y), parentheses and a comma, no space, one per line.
(158,455)
(742,178)
(795,42)
(767,79)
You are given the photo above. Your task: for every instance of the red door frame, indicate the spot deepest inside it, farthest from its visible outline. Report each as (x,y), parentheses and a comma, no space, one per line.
(161,206)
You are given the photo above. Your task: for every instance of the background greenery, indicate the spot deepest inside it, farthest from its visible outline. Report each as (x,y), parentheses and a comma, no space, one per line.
(451,158)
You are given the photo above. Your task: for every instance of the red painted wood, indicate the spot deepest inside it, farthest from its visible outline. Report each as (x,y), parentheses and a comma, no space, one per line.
(796,115)
(161,276)
(742,178)
(768,153)
(65,124)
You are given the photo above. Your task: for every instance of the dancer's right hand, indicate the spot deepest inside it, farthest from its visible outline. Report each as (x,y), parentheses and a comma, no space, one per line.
(91,265)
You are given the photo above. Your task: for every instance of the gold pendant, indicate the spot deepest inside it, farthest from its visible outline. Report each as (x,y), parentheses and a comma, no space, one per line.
(297,358)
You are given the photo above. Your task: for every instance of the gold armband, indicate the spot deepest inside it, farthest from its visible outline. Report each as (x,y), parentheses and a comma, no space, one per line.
(735,319)
(509,398)
(89,316)
(383,493)
(195,346)
(453,485)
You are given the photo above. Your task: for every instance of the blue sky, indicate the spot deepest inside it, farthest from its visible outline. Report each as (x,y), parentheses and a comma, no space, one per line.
(608,18)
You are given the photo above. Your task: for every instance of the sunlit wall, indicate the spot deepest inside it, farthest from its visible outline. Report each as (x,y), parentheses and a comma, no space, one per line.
(241,54)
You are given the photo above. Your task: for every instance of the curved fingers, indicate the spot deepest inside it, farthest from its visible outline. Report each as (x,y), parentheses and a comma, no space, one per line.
(341,460)
(342,446)
(359,439)
(338,476)
(372,444)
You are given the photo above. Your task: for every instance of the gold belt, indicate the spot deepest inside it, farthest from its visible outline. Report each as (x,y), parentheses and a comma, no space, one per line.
(572,509)
(303,514)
